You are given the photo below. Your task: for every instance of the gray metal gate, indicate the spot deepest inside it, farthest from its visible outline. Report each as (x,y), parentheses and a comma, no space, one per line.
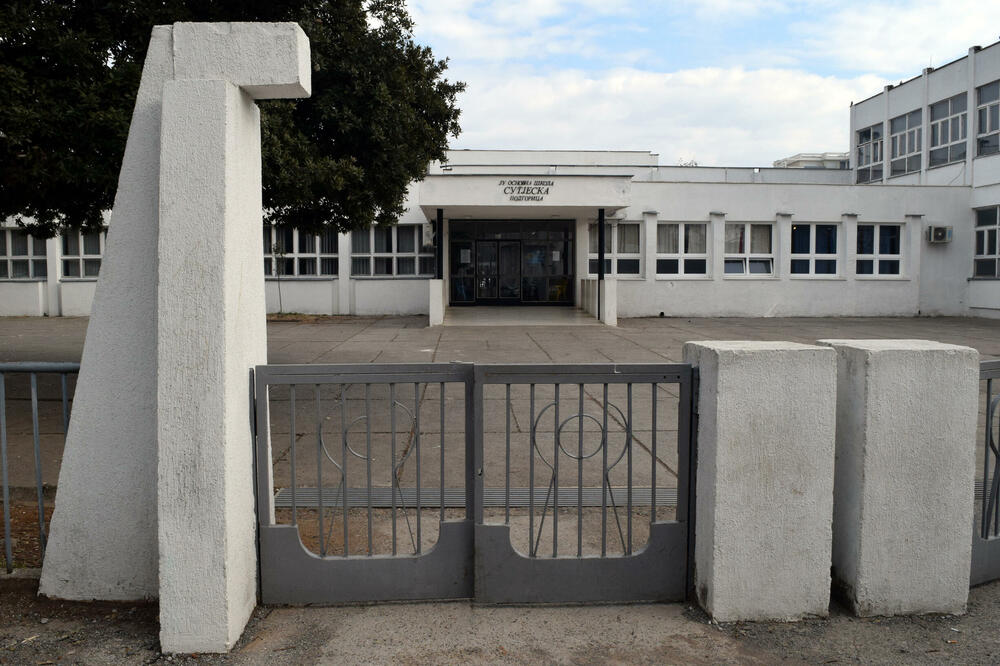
(986,533)
(503,483)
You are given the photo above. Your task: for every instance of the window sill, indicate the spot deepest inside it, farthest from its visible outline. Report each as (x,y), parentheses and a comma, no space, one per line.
(620,278)
(392,277)
(744,277)
(882,278)
(983,279)
(946,164)
(826,278)
(78,279)
(24,280)
(901,175)
(678,278)
(299,278)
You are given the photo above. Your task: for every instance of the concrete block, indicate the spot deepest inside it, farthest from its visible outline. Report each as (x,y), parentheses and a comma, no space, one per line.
(765,479)
(436,302)
(905,467)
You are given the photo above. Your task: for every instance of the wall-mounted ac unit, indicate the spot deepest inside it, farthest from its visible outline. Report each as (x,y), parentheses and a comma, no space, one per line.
(938,234)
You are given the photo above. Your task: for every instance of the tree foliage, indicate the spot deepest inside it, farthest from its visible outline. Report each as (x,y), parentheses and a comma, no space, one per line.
(69,70)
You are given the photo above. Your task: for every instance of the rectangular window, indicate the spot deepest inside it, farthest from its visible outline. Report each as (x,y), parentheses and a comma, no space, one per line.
(22,256)
(988,119)
(289,252)
(391,251)
(814,249)
(905,138)
(987,252)
(82,252)
(681,248)
(879,249)
(949,129)
(749,249)
(622,249)
(869,154)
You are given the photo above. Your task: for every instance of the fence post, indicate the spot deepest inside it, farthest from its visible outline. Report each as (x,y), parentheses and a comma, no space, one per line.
(764,480)
(903,500)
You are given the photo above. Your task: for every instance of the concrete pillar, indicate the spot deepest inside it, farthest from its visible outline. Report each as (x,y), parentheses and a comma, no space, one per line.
(53,276)
(436,301)
(903,504)
(344,285)
(649,246)
(765,479)
(608,289)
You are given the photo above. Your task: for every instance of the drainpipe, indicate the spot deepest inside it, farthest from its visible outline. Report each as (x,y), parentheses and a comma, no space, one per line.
(600,258)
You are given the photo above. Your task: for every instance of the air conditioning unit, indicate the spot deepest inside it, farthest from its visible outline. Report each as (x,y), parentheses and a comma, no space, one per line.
(938,234)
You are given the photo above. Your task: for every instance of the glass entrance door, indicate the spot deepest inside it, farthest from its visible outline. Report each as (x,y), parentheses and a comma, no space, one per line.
(486,270)
(510,270)
(498,271)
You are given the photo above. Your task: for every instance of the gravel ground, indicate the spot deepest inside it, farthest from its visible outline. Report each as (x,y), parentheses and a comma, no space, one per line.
(35,630)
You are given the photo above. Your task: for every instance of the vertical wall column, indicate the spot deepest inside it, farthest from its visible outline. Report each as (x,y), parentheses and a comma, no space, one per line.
(765,478)
(649,245)
(717,244)
(344,287)
(53,275)
(903,503)
(847,255)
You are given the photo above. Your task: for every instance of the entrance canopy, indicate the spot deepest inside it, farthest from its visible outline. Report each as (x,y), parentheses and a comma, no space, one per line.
(512,196)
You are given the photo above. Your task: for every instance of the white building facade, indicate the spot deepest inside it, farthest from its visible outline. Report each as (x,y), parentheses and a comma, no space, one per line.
(911,228)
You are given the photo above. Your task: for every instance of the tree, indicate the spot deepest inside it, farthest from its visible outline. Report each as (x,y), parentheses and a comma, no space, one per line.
(69,70)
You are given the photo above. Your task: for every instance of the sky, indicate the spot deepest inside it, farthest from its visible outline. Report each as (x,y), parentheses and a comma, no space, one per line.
(720,82)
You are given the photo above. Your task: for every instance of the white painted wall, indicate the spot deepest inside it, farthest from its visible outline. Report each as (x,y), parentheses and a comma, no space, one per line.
(23,298)
(305,295)
(391,296)
(77,297)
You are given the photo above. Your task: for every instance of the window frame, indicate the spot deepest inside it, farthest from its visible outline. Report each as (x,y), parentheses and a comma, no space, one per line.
(876,256)
(985,232)
(870,153)
(990,111)
(612,252)
(813,256)
(947,124)
(81,256)
(422,255)
(297,256)
(748,255)
(682,255)
(906,144)
(32,258)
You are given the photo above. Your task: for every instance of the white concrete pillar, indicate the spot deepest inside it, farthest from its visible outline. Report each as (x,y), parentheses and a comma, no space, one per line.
(436,301)
(717,245)
(903,504)
(344,285)
(765,479)
(649,245)
(53,276)
(608,288)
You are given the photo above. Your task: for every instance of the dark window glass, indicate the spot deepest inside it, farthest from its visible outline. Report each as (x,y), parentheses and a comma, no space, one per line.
(427,266)
(989,93)
(913,163)
(988,145)
(986,217)
(888,267)
(3,269)
(593,266)
(760,266)
(897,125)
(866,239)
(980,242)
(383,240)
(283,236)
(267,267)
(939,110)
(19,269)
(938,156)
(70,243)
(360,266)
(734,266)
(957,152)
(986,268)
(404,239)
(71,268)
(38,246)
(826,239)
(800,239)
(360,241)
(18,244)
(826,267)
(406,265)
(800,266)
(628,266)
(888,239)
(328,266)
(307,266)
(991,242)
(307,243)
(694,267)
(865,267)
(40,267)
(383,265)
(328,241)
(665,266)
(876,173)
(91,267)
(897,167)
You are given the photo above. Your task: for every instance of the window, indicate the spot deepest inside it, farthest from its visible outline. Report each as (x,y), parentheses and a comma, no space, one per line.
(905,137)
(22,256)
(814,249)
(870,154)
(988,119)
(391,251)
(949,127)
(622,249)
(879,249)
(682,248)
(749,249)
(81,253)
(987,253)
(287,251)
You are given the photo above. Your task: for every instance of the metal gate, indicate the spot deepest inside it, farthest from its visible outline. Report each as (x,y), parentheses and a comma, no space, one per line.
(986,532)
(503,483)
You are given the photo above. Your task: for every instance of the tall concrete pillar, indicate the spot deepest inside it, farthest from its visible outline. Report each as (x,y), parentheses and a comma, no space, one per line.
(903,502)
(765,479)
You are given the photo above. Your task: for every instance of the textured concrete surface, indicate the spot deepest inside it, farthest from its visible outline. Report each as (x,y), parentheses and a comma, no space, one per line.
(902,506)
(765,479)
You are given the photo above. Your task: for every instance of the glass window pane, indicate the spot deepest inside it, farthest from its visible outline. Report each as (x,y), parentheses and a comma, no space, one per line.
(958,103)
(91,267)
(383,265)
(986,217)
(383,239)
(989,145)
(38,246)
(404,239)
(695,267)
(991,241)
(826,239)
(761,267)
(406,265)
(628,266)
(914,118)
(18,243)
(866,239)
(994,117)
(865,267)
(328,266)
(897,125)
(980,242)
(667,239)
(694,239)
(71,267)
(913,162)
(427,266)
(3,269)
(628,238)
(3,243)
(986,268)
(267,266)
(592,239)
(734,266)
(800,266)
(666,266)
(760,238)
(888,267)
(266,234)
(307,243)
(360,265)
(826,266)
(40,267)
(989,93)
(888,239)
(307,266)
(800,239)
(286,266)
(283,240)
(876,132)
(360,244)
(735,243)
(939,110)
(19,269)
(939,156)
(957,152)
(328,242)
